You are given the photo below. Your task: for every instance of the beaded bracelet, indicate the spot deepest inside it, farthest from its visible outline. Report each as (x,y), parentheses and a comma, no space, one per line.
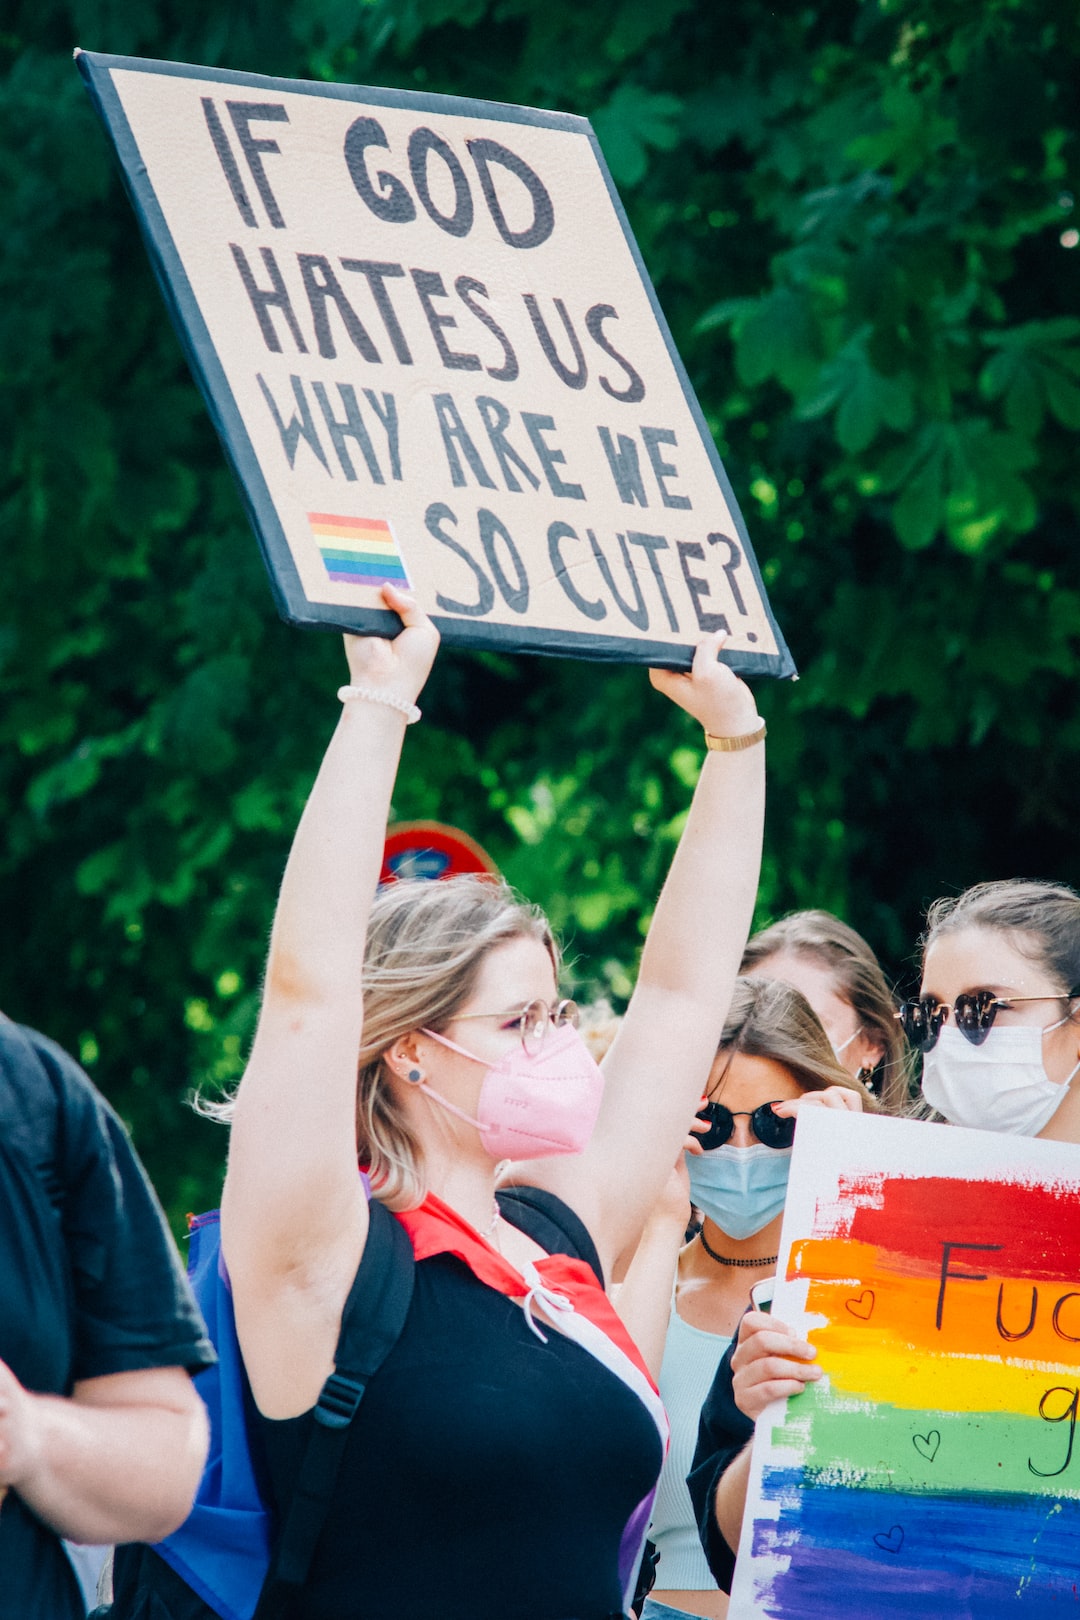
(376,694)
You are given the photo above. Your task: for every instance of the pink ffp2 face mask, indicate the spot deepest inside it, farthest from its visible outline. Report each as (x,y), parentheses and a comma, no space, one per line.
(533,1105)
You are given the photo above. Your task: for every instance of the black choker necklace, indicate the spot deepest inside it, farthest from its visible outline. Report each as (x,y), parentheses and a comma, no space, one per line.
(725,1260)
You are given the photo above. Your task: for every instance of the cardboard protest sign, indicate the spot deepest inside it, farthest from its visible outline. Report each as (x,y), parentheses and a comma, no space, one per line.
(434,356)
(933,1469)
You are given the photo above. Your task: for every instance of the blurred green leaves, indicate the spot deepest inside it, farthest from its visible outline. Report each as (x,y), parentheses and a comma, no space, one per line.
(858,218)
(1035,370)
(630,123)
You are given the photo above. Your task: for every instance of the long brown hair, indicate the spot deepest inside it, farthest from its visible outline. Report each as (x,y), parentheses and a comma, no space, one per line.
(1042,918)
(426,943)
(819,937)
(771,1019)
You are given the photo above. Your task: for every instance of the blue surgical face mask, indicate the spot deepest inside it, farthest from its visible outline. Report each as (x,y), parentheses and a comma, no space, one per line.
(741,1189)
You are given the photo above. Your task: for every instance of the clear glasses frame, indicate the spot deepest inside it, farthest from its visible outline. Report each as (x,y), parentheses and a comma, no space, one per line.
(534,1020)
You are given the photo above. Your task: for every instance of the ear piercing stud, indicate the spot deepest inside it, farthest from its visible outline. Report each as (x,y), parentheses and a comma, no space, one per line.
(414,1076)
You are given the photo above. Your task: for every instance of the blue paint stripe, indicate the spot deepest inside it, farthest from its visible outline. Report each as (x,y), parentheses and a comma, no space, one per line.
(372,559)
(983,1556)
(365,565)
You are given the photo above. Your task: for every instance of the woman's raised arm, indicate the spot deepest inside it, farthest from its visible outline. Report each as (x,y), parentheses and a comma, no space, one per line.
(294,1218)
(660,1059)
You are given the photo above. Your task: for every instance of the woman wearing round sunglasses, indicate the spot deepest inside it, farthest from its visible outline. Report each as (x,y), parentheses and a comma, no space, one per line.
(774,1058)
(504,1455)
(997,1021)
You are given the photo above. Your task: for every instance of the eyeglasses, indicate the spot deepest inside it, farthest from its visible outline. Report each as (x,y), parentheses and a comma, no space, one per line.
(923,1018)
(769,1128)
(533,1021)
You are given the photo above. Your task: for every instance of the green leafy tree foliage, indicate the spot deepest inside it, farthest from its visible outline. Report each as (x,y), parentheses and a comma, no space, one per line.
(860,219)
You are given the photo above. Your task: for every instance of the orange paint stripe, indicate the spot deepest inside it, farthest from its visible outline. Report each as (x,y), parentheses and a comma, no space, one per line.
(359,531)
(904,1309)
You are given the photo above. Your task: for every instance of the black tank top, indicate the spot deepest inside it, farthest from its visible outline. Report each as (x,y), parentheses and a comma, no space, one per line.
(488,1475)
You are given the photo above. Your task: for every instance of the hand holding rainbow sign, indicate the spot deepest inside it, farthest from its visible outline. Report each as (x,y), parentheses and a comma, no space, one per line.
(933,1470)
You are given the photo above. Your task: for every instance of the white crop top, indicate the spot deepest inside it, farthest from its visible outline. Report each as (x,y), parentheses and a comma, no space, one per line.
(691,1357)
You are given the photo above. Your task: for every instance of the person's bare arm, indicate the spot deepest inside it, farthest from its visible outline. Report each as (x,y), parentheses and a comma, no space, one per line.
(119,1460)
(293,1212)
(729,1503)
(660,1059)
(643,1298)
(770,1362)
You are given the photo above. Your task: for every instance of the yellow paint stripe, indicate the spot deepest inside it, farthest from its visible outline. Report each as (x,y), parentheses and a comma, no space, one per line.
(936,1383)
(354,531)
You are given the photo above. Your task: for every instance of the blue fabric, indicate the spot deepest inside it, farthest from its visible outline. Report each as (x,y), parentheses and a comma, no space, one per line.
(222,1549)
(664,1611)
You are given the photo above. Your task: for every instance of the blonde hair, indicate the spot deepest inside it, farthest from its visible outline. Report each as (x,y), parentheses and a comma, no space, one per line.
(770,1019)
(818,936)
(426,944)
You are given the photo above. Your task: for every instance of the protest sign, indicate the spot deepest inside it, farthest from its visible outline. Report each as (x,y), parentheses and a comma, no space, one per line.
(434,357)
(932,1471)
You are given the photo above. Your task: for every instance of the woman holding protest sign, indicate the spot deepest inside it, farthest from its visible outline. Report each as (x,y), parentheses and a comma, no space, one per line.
(504,1457)
(997,1022)
(774,1058)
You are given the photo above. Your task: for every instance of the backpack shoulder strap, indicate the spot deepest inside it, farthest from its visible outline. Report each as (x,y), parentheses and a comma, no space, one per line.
(371,1325)
(550,1222)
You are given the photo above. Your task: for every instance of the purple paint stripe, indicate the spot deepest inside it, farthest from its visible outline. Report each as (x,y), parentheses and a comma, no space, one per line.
(366,579)
(858,1553)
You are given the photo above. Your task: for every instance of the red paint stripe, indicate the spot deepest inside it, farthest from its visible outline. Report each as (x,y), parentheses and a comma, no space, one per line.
(339,521)
(1037,1228)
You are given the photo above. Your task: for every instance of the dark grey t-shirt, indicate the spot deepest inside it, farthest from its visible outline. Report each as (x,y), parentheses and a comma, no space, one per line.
(90,1282)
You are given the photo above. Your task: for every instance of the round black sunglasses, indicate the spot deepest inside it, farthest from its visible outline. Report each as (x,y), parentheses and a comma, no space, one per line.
(922,1019)
(769,1128)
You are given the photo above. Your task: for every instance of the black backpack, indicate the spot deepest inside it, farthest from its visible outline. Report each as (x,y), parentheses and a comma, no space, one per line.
(147,1585)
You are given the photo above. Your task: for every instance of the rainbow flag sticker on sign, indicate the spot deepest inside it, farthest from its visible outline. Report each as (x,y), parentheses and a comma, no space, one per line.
(359,550)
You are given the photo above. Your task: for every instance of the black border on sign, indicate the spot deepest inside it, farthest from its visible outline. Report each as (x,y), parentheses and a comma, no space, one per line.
(292,603)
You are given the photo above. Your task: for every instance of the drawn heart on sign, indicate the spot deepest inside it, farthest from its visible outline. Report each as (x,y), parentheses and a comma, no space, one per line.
(927,1444)
(892,1542)
(863,1307)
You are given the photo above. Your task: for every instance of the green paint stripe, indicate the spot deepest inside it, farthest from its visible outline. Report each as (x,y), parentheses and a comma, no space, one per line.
(873,1446)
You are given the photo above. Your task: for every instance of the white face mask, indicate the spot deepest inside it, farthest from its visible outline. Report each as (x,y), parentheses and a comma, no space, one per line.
(999,1086)
(842,1048)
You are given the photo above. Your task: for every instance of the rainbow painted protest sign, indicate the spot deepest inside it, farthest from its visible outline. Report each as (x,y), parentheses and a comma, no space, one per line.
(933,1470)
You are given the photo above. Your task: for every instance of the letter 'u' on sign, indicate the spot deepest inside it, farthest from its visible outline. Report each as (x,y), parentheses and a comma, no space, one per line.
(434,357)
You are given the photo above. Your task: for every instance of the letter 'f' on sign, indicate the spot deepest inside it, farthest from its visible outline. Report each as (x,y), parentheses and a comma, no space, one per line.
(963,1276)
(243,114)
